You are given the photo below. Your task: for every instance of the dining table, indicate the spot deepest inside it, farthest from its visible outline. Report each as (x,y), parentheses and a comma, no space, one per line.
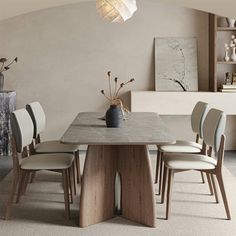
(117,150)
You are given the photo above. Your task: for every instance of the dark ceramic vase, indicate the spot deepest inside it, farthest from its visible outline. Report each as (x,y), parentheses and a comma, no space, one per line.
(114,117)
(1,81)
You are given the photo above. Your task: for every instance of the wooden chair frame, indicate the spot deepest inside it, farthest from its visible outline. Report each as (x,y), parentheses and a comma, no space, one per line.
(77,162)
(160,166)
(21,178)
(217,171)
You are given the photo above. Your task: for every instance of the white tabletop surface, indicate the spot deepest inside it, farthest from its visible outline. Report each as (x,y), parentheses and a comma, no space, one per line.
(139,128)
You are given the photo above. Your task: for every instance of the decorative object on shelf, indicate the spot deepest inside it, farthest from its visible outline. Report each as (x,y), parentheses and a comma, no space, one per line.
(228,79)
(7,106)
(233,46)
(230,22)
(176,64)
(116,113)
(228,88)
(233,55)
(4,66)
(226,58)
(234,78)
(116,10)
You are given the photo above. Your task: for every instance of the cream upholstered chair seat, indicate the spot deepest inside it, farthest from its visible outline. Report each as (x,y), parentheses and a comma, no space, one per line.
(47,162)
(38,117)
(26,162)
(213,144)
(182,146)
(55,146)
(189,161)
(197,118)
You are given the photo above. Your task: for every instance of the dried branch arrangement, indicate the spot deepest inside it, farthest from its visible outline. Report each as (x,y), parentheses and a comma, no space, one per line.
(6,66)
(113,94)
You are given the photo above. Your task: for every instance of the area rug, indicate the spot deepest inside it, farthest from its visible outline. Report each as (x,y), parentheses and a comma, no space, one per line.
(194,211)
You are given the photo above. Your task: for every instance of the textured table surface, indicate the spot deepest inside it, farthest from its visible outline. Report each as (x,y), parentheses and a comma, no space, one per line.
(138,129)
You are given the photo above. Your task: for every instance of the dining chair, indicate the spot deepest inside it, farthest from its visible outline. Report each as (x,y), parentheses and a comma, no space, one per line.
(24,163)
(214,138)
(197,118)
(38,117)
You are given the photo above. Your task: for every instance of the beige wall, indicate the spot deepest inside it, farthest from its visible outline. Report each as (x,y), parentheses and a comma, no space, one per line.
(65,52)
(11,8)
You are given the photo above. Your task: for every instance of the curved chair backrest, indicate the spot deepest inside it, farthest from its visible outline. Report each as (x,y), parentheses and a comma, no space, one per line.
(213,128)
(198,116)
(22,129)
(38,117)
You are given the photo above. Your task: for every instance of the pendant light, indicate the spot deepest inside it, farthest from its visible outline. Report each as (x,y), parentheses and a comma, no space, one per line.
(116,10)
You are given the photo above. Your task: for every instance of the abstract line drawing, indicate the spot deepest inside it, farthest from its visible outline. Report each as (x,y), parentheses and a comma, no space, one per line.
(176,64)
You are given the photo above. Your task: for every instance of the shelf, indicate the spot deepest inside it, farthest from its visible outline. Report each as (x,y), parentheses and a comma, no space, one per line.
(227,62)
(226,29)
(180,103)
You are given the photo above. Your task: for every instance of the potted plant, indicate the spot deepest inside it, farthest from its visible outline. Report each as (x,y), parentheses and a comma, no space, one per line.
(4,66)
(115,114)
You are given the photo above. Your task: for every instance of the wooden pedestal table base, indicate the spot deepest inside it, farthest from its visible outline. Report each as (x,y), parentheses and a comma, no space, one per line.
(97,202)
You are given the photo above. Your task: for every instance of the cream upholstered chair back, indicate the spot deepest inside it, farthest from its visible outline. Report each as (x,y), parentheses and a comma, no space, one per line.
(198,116)
(38,117)
(213,128)
(22,129)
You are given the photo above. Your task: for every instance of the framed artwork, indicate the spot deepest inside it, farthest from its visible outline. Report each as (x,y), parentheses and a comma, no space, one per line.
(176,64)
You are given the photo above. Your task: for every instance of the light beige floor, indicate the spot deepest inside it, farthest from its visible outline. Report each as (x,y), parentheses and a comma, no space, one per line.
(193,211)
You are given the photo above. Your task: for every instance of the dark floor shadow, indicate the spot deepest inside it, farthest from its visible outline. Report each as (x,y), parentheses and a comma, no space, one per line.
(123,221)
(161,218)
(46,216)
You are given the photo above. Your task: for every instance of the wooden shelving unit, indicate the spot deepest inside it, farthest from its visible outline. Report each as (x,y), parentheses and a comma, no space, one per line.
(218,36)
(227,62)
(226,29)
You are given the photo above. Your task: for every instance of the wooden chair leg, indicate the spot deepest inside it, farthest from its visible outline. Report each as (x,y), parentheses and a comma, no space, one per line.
(209,183)
(26,182)
(202,176)
(66,194)
(12,193)
(157,166)
(77,163)
(70,185)
(71,178)
(161,174)
(164,185)
(214,188)
(33,175)
(169,192)
(74,177)
(20,185)
(222,189)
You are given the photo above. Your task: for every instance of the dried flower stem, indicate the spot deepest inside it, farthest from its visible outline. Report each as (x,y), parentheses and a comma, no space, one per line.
(122,85)
(109,79)
(113,95)
(7,67)
(116,80)
(2,67)
(102,91)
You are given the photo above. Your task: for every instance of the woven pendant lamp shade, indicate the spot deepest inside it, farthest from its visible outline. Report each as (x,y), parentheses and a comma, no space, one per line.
(116,10)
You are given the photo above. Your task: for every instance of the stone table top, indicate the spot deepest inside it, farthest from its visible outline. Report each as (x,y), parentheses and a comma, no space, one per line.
(139,128)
